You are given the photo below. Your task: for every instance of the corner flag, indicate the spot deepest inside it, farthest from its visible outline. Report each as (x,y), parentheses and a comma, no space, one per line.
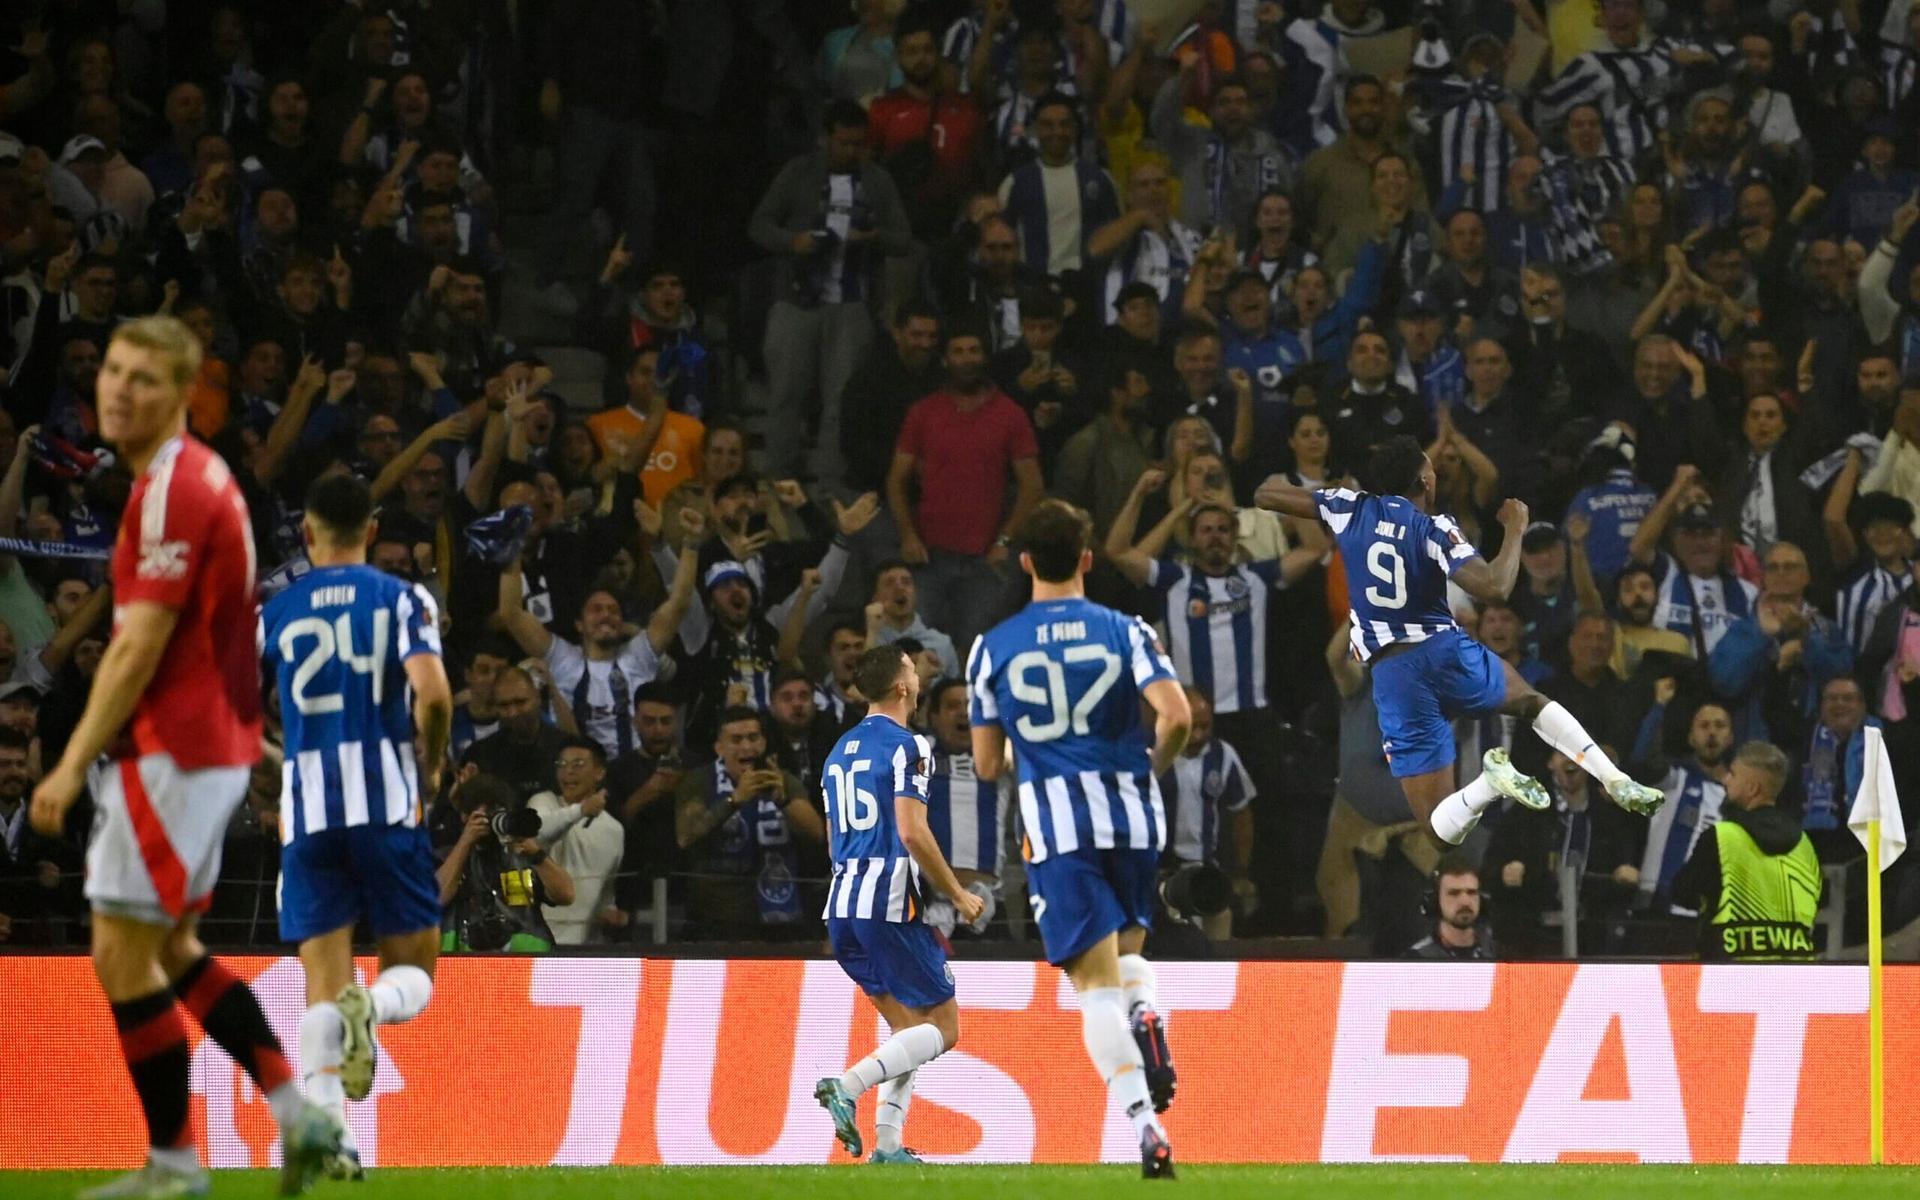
(1875,819)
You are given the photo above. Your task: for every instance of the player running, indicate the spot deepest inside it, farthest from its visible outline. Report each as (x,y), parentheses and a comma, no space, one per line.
(177,698)
(1064,679)
(1426,670)
(356,653)
(875,785)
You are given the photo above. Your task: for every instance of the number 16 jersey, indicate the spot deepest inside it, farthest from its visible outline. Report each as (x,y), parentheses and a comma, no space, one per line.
(1398,560)
(1064,679)
(338,641)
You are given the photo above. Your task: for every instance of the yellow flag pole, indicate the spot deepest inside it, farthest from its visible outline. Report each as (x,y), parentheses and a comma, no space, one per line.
(1876,1009)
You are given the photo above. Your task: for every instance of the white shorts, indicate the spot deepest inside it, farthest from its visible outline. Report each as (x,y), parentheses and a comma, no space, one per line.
(157,831)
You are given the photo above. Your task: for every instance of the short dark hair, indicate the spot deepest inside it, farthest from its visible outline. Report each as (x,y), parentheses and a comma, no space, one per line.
(878,669)
(1453,863)
(847,625)
(93,260)
(489,791)
(941,687)
(1041,304)
(734,713)
(577,742)
(1057,99)
(845,114)
(1356,82)
(964,329)
(783,676)
(1201,510)
(1394,469)
(891,564)
(342,504)
(1055,535)
(655,692)
(916,310)
(493,646)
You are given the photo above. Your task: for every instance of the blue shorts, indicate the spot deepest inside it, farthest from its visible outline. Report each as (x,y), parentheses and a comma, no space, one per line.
(902,959)
(1082,896)
(1420,690)
(331,879)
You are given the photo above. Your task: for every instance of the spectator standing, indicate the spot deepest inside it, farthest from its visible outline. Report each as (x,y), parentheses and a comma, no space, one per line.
(1057,200)
(1756,883)
(1209,793)
(522,753)
(587,843)
(965,444)
(928,137)
(892,615)
(829,216)
(1224,167)
(896,371)
(641,788)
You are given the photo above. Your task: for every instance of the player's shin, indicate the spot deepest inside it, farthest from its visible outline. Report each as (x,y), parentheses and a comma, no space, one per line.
(906,1050)
(153,1040)
(1110,1044)
(891,1117)
(1454,818)
(228,1010)
(1558,728)
(322,1030)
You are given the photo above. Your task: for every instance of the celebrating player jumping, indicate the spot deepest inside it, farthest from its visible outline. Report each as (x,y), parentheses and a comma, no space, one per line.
(1063,679)
(1426,669)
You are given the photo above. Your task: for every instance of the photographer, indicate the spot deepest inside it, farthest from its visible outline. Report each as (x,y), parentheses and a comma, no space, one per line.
(494,875)
(740,816)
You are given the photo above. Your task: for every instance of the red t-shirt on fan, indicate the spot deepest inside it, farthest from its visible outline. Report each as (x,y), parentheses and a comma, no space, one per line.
(186,542)
(965,463)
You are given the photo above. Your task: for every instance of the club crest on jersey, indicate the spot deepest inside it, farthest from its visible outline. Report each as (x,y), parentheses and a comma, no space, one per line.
(1236,586)
(162,560)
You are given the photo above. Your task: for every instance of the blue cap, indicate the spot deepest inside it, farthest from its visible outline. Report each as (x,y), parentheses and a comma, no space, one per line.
(721,572)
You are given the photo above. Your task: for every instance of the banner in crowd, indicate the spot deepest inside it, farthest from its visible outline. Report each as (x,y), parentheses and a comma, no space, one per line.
(578,1061)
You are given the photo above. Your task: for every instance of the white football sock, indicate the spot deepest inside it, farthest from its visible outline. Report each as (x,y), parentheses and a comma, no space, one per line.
(400,993)
(322,1030)
(1138,981)
(904,1051)
(891,1116)
(1557,728)
(1110,1044)
(1454,818)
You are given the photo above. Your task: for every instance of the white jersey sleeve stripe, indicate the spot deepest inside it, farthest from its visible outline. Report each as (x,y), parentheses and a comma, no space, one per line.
(287,808)
(397,776)
(899,785)
(980,671)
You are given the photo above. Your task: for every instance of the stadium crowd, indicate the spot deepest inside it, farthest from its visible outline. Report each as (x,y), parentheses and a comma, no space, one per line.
(860,291)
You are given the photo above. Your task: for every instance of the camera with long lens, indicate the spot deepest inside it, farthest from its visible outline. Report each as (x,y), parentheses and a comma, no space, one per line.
(1196,891)
(510,825)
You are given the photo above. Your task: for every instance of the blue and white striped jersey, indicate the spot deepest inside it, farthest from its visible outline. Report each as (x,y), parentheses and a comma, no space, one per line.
(1217,629)
(1861,596)
(1064,680)
(875,762)
(1202,785)
(1398,562)
(963,811)
(337,641)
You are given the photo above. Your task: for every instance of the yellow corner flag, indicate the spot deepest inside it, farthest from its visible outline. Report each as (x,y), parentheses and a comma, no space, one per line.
(1875,819)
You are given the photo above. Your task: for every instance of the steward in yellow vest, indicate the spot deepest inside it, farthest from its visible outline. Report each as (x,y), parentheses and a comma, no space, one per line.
(1754,877)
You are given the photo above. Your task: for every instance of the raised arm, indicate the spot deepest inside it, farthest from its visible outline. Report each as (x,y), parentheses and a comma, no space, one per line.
(292,419)
(1279,495)
(1305,556)
(1489,582)
(794,629)
(454,429)
(1842,547)
(1586,591)
(98,604)
(1646,539)
(665,622)
(1242,447)
(478,488)
(521,625)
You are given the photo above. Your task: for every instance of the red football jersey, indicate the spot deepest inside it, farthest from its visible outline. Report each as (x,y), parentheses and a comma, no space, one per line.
(186,542)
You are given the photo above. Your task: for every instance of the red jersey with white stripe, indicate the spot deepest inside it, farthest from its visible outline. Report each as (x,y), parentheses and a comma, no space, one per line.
(186,542)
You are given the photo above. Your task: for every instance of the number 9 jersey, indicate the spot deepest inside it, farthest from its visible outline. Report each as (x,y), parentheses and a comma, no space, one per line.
(1064,679)
(337,641)
(1398,562)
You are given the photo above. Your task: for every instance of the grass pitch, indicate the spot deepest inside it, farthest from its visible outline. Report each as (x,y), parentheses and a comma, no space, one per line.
(1058,1183)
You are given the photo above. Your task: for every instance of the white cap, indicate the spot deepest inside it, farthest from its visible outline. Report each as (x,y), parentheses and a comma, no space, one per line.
(78,145)
(11,148)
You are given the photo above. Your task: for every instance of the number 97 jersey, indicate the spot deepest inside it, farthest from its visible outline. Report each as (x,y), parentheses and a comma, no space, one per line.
(1398,562)
(1064,679)
(337,642)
